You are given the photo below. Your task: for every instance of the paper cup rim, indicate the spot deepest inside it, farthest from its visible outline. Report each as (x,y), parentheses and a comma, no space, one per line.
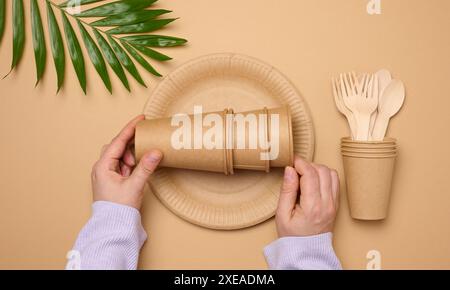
(369,156)
(384,146)
(381,152)
(386,141)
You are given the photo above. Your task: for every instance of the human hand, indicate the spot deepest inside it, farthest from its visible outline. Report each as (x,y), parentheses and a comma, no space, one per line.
(115,177)
(316,209)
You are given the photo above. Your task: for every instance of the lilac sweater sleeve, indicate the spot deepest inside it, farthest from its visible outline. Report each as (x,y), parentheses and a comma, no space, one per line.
(111,239)
(302,253)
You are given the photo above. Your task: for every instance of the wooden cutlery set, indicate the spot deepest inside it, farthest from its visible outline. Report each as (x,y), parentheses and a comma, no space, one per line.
(368,101)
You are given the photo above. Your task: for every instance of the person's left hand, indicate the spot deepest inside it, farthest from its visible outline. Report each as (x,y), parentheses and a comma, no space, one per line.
(115,177)
(309,200)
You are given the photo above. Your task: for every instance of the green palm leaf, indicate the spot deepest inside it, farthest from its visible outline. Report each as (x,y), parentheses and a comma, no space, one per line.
(95,56)
(75,52)
(140,59)
(112,59)
(56,45)
(155,40)
(129,18)
(116,8)
(126,60)
(78,2)
(2,18)
(152,53)
(18,32)
(148,26)
(107,48)
(40,51)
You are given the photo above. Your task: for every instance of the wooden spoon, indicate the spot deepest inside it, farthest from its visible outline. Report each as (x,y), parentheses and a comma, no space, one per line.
(384,78)
(391,101)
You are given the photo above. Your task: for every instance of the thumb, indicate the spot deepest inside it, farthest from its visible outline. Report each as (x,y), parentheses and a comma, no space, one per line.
(288,194)
(147,165)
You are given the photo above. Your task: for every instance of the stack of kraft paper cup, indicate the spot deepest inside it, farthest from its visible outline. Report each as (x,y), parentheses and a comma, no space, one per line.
(369,169)
(159,134)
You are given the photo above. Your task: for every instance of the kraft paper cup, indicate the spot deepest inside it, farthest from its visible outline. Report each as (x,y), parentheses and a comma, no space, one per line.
(286,146)
(157,134)
(251,159)
(369,177)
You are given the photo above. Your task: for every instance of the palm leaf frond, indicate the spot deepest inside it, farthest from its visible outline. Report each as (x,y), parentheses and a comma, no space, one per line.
(18,32)
(70,3)
(57,45)
(152,53)
(148,26)
(2,18)
(126,60)
(75,52)
(40,51)
(134,17)
(116,8)
(96,56)
(112,59)
(155,40)
(140,59)
(104,47)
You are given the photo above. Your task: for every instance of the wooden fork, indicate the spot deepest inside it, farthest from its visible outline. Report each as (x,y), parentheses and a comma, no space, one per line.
(361,98)
(338,99)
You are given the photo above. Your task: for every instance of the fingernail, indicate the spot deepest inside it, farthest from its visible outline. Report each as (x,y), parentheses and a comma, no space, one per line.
(289,173)
(154,156)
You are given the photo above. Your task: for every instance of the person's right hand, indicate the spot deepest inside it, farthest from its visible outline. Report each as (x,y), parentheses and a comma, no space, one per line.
(116,177)
(315,211)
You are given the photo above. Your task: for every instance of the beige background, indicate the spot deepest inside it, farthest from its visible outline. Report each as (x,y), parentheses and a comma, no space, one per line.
(49,142)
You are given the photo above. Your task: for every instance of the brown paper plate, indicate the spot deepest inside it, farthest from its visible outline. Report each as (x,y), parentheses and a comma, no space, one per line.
(215,82)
